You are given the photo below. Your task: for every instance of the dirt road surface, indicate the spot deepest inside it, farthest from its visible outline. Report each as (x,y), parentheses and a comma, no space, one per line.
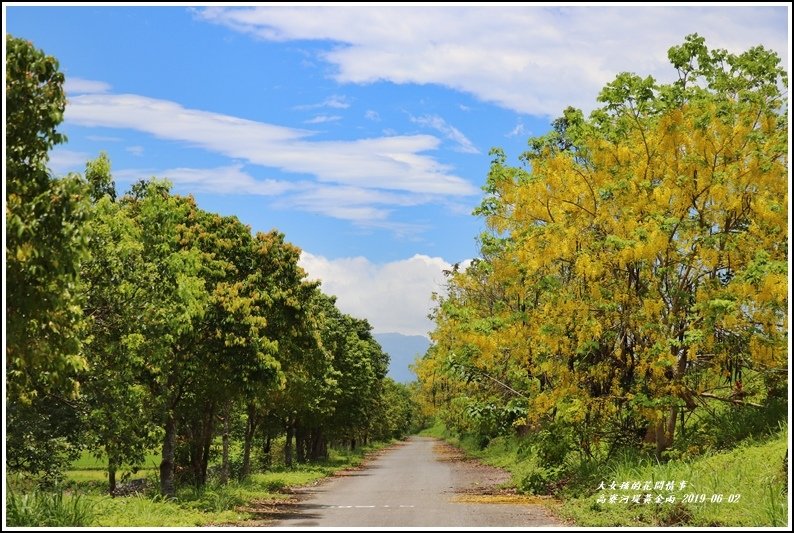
(420,483)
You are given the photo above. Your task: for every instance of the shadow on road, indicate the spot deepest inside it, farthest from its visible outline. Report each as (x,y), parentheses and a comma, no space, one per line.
(285,511)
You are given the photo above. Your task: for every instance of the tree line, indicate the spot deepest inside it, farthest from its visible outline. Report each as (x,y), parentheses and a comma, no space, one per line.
(140,321)
(633,276)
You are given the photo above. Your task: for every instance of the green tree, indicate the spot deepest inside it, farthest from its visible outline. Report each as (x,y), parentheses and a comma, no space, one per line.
(45,236)
(233,336)
(45,242)
(636,261)
(118,419)
(285,298)
(172,299)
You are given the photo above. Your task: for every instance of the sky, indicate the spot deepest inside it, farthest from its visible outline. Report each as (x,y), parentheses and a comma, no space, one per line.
(362,133)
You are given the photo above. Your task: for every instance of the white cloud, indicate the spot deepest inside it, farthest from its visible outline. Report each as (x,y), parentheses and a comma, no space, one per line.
(365,208)
(530,59)
(518,130)
(219,180)
(135,150)
(63,161)
(322,119)
(372,115)
(103,138)
(391,163)
(394,296)
(82,86)
(334,102)
(450,132)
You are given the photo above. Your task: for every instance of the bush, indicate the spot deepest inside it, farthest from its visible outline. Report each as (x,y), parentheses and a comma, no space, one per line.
(539,480)
(48,509)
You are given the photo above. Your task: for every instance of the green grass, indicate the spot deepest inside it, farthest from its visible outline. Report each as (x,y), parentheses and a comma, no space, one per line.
(48,509)
(437,430)
(80,476)
(753,470)
(213,504)
(88,461)
(142,511)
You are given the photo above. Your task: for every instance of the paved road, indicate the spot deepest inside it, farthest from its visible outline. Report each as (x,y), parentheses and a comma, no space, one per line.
(411,485)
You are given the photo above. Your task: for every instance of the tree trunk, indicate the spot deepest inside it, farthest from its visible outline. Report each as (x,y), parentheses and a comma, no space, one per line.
(665,430)
(268,445)
(319,446)
(225,454)
(250,430)
(167,462)
(195,449)
(288,445)
(300,444)
(200,441)
(111,475)
(205,456)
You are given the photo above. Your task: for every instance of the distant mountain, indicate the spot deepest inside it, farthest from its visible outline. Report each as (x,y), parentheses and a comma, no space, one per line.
(402,350)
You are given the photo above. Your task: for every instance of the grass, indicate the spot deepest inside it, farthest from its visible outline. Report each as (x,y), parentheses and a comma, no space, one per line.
(48,509)
(83,502)
(752,472)
(88,461)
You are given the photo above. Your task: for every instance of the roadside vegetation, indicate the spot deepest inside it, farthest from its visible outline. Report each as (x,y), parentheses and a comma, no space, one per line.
(627,321)
(621,343)
(753,473)
(193,358)
(82,500)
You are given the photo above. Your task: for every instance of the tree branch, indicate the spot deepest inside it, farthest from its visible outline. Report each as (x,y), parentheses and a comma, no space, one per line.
(729,400)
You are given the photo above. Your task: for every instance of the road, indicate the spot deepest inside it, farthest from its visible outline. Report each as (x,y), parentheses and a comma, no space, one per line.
(415,484)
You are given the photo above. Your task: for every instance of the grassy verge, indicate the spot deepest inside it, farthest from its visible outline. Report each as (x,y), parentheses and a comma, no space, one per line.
(745,486)
(84,504)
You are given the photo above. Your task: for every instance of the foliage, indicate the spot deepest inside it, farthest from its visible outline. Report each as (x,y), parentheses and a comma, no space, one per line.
(754,470)
(48,509)
(213,504)
(635,269)
(119,420)
(45,241)
(42,437)
(139,320)
(44,235)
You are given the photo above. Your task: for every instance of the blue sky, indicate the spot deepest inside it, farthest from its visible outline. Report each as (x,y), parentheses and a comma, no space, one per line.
(361,133)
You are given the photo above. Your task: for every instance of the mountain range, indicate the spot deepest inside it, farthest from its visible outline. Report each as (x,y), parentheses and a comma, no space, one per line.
(402,350)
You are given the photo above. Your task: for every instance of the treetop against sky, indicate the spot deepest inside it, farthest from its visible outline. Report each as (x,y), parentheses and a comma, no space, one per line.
(362,133)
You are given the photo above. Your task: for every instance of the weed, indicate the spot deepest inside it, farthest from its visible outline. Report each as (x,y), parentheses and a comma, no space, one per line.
(49,509)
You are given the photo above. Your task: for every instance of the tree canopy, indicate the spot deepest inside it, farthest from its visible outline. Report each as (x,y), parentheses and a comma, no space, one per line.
(139,321)
(635,267)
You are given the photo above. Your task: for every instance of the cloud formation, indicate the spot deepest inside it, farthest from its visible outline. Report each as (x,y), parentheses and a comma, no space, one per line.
(395,163)
(230,179)
(322,119)
(462,143)
(334,102)
(534,60)
(393,296)
(63,161)
(74,85)
(365,208)
(518,130)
